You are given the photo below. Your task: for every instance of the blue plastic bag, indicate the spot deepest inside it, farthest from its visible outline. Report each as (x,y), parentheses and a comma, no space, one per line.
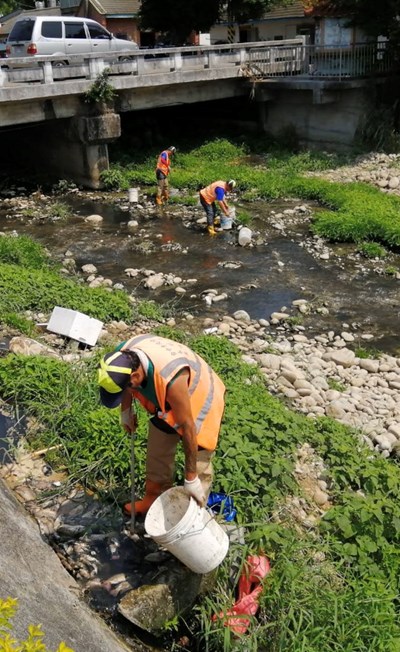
(220,503)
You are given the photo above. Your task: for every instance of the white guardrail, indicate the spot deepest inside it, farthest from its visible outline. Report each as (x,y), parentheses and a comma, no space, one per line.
(235,56)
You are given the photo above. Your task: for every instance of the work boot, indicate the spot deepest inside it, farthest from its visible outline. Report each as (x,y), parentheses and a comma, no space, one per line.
(159,201)
(211,230)
(153,490)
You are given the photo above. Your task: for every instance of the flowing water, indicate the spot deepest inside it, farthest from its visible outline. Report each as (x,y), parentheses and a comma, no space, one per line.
(271,275)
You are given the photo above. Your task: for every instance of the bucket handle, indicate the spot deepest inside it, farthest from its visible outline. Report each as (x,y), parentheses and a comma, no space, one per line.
(195,532)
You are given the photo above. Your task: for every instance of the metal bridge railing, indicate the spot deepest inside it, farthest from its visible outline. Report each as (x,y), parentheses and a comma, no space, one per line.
(322,61)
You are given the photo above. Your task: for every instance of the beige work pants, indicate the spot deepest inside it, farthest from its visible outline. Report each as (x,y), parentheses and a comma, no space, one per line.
(160,461)
(163,188)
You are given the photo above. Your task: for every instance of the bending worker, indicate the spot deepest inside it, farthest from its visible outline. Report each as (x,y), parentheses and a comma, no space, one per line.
(215,192)
(185,397)
(162,172)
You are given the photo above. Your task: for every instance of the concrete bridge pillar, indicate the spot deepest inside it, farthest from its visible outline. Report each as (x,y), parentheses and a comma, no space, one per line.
(78,151)
(86,151)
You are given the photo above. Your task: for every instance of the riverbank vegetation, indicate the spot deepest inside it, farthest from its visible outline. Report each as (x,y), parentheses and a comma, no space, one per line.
(334,582)
(353,212)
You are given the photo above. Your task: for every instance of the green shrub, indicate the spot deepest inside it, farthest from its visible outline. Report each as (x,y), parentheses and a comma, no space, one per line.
(243,217)
(39,289)
(101,90)
(362,352)
(114,179)
(60,210)
(34,642)
(22,251)
(372,250)
(150,310)
(391,270)
(336,385)
(18,322)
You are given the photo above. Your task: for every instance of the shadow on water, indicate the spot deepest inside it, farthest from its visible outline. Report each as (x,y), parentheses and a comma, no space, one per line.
(270,276)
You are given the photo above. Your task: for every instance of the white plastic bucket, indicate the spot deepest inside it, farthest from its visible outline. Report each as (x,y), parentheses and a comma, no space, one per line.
(133,195)
(226,222)
(244,236)
(189,532)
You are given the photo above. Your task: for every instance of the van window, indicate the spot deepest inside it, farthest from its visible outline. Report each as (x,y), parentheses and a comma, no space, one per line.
(51,29)
(75,30)
(22,30)
(97,31)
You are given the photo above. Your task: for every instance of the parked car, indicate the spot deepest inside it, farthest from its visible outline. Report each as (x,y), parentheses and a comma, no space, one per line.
(63,36)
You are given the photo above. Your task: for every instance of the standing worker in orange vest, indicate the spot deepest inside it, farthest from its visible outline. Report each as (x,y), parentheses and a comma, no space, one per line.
(208,196)
(185,397)
(162,172)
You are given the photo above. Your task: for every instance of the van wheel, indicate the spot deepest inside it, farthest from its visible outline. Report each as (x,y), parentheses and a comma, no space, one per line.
(125,58)
(60,64)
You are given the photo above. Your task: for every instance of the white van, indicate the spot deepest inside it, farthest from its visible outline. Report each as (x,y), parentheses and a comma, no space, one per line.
(62,35)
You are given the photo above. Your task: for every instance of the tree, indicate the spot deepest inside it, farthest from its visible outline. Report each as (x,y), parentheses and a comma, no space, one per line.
(375,17)
(180,17)
(8,6)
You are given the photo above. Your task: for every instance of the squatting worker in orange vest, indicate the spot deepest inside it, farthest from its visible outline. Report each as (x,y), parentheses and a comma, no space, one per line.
(215,192)
(185,397)
(162,172)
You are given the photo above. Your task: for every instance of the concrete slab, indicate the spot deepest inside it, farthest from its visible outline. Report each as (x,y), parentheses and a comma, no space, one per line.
(31,572)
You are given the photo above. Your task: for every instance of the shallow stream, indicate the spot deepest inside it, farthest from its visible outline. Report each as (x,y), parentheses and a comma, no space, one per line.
(285,267)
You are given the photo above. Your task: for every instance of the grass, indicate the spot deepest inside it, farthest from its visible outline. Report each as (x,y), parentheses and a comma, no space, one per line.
(347,598)
(332,588)
(372,250)
(353,212)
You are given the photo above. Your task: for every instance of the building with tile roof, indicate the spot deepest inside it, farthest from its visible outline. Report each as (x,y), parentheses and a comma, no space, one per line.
(285,22)
(121,17)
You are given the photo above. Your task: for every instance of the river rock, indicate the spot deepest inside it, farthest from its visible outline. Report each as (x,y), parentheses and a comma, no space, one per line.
(172,594)
(241,315)
(280,316)
(89,269)
(94,219)
(344,357)
(154,282)
(270,361)
(372,366)
(25,346)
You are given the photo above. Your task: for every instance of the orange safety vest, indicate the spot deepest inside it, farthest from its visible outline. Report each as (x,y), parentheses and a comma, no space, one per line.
(208,193)
(206,389)
(164,165)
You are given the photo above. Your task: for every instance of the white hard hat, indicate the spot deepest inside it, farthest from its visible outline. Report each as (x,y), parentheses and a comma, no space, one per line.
(232,183)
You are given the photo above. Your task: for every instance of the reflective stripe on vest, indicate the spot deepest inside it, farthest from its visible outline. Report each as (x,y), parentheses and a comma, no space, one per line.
(163,165)
(209,194)
(206,389)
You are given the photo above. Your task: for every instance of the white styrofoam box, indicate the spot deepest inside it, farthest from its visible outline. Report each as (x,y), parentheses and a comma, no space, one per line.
(75,325)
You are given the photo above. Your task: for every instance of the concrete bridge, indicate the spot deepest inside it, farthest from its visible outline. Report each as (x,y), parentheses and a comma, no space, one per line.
(288,74)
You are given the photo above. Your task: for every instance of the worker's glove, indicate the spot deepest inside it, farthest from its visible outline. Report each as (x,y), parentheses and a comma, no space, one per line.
(128,420)
(195,488)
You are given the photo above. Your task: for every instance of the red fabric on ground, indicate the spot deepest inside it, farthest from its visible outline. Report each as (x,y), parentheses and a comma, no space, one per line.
(250,589)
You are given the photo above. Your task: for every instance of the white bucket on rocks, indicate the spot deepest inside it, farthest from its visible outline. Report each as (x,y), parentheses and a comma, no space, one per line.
(189,532)
(244,236)
(133,195)
(226,222)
